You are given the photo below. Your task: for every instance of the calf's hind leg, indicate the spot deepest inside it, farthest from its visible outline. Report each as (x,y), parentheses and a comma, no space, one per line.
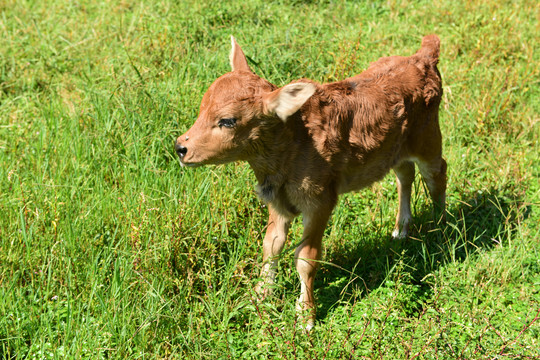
(434,173)
(405,177)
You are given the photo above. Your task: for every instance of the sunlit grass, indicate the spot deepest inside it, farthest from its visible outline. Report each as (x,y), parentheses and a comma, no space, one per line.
(108,249)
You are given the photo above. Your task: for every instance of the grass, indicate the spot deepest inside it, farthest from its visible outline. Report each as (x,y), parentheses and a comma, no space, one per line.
(108,249)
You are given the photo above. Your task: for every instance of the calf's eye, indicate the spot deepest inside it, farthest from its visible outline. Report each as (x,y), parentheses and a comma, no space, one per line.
(227,122)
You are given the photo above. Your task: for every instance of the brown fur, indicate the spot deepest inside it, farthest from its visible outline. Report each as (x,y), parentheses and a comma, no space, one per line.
(307,143)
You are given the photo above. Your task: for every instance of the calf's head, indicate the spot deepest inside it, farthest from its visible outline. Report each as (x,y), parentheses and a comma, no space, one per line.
(236,113)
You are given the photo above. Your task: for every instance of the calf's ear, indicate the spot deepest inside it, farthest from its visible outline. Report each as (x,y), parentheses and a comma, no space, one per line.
(289,99)
(237,58)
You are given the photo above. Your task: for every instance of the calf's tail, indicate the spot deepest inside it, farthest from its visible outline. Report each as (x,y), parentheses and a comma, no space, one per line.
(430,49)
(429,53)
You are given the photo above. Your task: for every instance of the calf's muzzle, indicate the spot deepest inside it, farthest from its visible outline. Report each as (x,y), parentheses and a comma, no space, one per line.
(180,150)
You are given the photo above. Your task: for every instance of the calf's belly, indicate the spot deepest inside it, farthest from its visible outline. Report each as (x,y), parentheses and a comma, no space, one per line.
(361,177)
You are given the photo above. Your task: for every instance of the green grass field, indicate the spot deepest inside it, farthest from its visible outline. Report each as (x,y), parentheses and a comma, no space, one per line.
(109,249)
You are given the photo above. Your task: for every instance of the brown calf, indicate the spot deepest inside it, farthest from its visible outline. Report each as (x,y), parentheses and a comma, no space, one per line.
(308,143)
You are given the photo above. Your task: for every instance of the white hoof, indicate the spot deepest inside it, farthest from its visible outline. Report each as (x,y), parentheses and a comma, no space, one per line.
(307,328)
(397,234)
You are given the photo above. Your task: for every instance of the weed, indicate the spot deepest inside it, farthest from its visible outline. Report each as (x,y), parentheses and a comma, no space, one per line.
(108,249)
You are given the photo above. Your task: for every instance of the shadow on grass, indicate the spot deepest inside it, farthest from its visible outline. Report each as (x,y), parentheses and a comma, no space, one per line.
(480,222)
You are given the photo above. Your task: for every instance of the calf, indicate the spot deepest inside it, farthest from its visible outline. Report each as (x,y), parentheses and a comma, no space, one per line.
(308,143)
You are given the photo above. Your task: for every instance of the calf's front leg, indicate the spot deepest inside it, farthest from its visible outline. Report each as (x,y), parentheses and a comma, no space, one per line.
(307,258)
(274,240)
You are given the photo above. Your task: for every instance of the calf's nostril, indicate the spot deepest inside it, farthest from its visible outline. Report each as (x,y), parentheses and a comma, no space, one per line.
(180,150)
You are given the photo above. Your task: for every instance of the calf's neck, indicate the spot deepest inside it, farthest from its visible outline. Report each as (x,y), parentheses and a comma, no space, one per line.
(308,143)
